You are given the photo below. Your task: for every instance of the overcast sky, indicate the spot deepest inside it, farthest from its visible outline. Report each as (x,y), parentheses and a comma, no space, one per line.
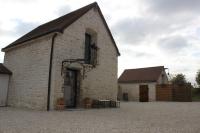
(147,32)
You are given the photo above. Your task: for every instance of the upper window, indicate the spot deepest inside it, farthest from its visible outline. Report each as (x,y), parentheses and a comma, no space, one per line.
(88,41)
(90,47)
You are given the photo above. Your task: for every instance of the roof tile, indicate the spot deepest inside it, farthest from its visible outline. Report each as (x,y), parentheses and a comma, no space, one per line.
(58,25)
(4,70)
(150,74)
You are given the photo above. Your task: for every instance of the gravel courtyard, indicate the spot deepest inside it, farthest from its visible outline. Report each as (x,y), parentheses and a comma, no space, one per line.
(132,117)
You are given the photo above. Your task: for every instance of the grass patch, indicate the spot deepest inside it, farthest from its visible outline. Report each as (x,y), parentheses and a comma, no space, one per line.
(196,94)
(196,97)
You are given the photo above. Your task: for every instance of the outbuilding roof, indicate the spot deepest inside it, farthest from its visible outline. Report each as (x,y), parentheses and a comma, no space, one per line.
(141,75)
(58,25)
(4,70)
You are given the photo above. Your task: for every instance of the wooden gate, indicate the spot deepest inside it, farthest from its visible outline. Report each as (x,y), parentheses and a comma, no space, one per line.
(182,93)
(144,93)
(168,92)
(164,92)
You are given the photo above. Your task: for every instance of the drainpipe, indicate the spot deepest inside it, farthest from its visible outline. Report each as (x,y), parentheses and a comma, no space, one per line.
(50,67)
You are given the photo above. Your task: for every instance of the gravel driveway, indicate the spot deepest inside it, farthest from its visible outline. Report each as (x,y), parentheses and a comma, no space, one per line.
(132,117)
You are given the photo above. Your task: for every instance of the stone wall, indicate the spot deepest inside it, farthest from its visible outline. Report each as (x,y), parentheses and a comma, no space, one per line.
(101,81)
(29,64)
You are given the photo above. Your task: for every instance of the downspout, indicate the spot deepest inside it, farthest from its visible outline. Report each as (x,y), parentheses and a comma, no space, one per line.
(50,70)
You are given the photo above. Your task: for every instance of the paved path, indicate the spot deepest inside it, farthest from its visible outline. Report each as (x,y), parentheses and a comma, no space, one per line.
(132,117)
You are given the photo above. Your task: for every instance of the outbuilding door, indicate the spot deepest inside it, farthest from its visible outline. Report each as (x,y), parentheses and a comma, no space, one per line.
(4,79)
(70,90)
(144,93)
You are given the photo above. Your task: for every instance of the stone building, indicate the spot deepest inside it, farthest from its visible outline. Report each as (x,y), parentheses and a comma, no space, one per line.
(71,57)
(4,82)
(140,84)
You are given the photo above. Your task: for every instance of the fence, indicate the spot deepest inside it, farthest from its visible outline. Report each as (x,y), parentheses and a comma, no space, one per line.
(168,92)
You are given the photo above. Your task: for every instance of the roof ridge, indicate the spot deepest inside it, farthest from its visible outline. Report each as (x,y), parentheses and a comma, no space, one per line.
(92,4)
(50,27)
(59,24)
(141,74)
(144,68)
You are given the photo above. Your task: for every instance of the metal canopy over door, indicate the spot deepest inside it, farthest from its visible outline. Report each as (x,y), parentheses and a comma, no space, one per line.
(144,93)
(70,90)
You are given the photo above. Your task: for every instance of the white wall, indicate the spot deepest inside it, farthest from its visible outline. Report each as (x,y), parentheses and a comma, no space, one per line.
(133,90)
(4,79)
(163,79)
(29,64)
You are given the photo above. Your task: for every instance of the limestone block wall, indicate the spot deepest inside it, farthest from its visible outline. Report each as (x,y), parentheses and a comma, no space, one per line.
(101,81)
(29,64)
(133,90)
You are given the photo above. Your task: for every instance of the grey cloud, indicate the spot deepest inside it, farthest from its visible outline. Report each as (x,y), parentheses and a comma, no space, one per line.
(174,6)
(4,32)
(196,54)
(143,54)
(63,10)
(198,31)
(134,30)
(155,22)
(135,53)
(130,30)
(20,29)
(137,30)
(23,27)
(173,44)
(22,1)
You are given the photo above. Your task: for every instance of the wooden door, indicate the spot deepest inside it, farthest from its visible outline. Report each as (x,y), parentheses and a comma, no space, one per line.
(144,93)
(70,90)
(125,96)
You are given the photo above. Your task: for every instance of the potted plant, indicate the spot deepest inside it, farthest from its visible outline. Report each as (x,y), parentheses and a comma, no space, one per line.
(60,104)
(87,102)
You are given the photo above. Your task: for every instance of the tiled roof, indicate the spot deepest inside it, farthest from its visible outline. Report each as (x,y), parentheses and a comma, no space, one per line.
(4,70)
(58,25)
(139,75)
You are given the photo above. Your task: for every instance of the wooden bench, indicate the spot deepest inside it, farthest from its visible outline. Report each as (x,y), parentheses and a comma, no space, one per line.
(105,104)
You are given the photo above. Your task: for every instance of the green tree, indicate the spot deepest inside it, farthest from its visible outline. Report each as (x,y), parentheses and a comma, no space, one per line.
(198,78)
(179,79)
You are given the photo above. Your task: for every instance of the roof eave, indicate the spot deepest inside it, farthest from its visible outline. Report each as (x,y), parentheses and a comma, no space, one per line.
(17,44)
(135,82)
(93,5)
(6,73)
(109,32)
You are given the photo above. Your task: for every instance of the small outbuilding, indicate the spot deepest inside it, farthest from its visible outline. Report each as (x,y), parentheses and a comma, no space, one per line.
(140,84)
(4,81)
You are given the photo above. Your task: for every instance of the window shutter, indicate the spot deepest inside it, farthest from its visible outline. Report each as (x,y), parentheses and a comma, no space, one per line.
(93,55)
(87,48)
